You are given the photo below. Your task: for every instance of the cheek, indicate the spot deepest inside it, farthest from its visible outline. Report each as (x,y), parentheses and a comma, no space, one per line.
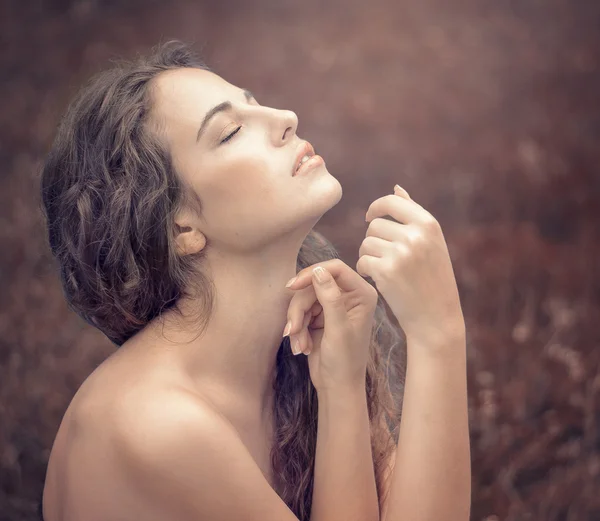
(256,168)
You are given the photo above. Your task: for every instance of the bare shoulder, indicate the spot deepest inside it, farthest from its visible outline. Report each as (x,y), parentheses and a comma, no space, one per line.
(189,463)
(154,419)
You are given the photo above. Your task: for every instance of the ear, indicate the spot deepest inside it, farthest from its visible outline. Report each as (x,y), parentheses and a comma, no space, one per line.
(189,237)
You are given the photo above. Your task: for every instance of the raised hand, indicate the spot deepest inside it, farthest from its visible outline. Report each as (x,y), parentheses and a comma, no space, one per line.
(333,321)
(409,262)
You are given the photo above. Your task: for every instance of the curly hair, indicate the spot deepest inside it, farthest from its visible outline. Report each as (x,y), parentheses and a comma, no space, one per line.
(109,196)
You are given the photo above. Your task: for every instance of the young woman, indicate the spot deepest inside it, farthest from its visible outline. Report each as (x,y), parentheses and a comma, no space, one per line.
(177,208)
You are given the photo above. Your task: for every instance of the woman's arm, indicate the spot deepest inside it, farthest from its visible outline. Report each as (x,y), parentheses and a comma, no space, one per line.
(344,478)
(432,472)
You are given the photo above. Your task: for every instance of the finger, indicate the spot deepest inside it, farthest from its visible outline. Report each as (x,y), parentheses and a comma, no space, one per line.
(316,322)
(309,349)
(330,297)
(366,266)
(405,211)
(345,277)
(375,247)
(294,344)
(305,340)
(398,190)
(316,312)
(385,229)
(302,337)
(301,304)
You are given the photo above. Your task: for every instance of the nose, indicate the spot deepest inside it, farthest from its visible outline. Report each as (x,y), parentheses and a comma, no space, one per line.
(285,128)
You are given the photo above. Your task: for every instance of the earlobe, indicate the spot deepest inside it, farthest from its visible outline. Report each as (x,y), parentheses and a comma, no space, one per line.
(190,241)
(189,238)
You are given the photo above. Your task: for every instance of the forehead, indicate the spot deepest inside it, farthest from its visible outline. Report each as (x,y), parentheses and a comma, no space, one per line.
(186,94)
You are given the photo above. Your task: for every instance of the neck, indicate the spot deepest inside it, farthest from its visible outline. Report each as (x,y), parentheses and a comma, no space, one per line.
(234,358)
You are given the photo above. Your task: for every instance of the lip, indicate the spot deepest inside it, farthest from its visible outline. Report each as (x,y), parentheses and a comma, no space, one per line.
(303,149)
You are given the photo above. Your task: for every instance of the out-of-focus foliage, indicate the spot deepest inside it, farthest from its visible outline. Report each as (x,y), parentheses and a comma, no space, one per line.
(487,112)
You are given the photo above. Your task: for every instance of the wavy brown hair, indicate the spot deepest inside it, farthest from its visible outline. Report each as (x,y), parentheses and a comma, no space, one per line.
(109,195)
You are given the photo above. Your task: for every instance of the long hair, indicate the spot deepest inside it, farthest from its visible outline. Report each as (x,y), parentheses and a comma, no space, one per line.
(109,195)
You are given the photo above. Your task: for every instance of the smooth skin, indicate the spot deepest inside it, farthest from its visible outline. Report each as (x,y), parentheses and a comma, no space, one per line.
(429,477)
(177,426)
(408,260)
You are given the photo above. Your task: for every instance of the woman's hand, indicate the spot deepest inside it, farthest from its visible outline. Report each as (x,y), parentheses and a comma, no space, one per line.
(409,262)
(333,321)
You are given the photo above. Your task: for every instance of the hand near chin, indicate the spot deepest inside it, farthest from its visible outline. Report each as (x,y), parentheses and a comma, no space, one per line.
(409,262)
(333,321)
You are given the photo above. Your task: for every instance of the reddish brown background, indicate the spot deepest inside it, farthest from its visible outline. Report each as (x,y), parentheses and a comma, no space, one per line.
(487,112)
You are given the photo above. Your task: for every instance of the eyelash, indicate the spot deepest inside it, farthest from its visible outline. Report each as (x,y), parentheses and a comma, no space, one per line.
(231,135)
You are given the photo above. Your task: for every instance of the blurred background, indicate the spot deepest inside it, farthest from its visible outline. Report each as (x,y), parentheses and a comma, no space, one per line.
(487,112)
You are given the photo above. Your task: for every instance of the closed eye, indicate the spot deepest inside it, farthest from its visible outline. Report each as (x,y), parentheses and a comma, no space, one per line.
(231,135)
(249,96)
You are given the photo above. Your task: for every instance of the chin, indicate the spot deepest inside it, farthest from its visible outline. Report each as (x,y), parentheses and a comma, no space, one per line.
(339,190)
(330,191)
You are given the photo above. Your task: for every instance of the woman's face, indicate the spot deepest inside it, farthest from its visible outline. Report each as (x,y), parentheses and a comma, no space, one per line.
(240,164)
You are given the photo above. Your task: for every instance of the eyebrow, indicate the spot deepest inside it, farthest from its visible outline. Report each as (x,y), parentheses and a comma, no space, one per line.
(226,105)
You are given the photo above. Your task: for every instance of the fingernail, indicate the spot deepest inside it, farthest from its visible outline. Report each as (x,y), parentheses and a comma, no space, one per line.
(296,348)
(398,188)
(287,329)
(320,274)
(291,281)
